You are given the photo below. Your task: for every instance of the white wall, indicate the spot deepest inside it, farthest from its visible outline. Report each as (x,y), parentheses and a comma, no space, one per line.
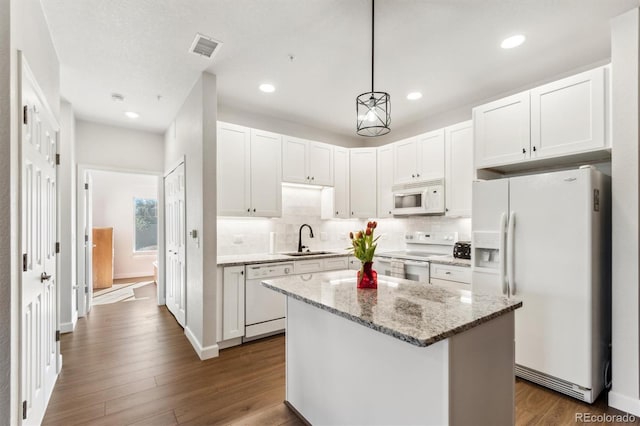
(192,136)
(113,195)
(123,148)
(67,214)
(24,20)
(7,241)
(625,392)
(302,205)
(231,114)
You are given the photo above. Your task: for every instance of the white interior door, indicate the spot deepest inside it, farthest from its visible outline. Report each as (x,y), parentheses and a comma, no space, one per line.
(552,271)
(88,243)
(39,319)
(175,234)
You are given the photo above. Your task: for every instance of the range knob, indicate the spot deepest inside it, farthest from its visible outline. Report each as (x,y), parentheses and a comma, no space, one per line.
(287,270)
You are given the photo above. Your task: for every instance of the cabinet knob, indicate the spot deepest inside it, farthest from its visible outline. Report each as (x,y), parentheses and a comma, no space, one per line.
(241,272)
(351,213)
(534,149)
(336,212)
(313,177)
(389,211)
(308,177)
(413,176)
(254,210)
(418,175)
(524,151)
(249,210)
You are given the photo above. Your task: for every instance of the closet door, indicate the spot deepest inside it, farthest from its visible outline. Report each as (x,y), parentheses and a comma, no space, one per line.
(175,234)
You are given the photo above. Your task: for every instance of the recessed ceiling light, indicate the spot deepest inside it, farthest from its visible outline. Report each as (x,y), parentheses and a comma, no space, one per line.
(513,41)
(267,88)
(117,97)
(414,96)
(132,114)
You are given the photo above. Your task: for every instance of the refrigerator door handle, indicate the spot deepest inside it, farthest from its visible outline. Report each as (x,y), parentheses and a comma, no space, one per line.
(503,254)
(511,233)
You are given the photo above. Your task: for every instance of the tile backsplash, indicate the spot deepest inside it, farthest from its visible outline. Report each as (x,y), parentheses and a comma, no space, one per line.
(302,205)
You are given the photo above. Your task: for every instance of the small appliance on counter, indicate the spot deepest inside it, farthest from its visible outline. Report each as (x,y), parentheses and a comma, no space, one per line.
(462,250)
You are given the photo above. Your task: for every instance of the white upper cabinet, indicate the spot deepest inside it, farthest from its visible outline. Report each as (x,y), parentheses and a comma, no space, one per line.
(459,169)
(405,160)
(385,181)
(563,118)
(341,185)
(362,179)
(419,158)
(234,172)
(431,155)
(502,131)
(266,174)
(569,115)
(320,163)
(249,172)
(307,162)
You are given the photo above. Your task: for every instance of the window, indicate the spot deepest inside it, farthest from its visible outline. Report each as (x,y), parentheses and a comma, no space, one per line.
(146,224)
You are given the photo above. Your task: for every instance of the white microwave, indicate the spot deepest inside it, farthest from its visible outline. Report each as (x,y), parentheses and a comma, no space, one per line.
(419,198)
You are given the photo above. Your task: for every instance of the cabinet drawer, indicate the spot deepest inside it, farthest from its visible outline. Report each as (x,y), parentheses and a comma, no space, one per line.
(335,263)
(451,273)
(308,266)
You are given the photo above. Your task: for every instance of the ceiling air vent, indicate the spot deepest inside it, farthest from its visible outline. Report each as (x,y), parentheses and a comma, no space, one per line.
(205,46)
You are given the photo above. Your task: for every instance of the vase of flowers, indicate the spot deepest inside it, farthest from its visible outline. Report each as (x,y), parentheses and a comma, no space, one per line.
(363,246)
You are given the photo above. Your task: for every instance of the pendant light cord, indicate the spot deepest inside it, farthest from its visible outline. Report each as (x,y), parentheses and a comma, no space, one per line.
(373,9)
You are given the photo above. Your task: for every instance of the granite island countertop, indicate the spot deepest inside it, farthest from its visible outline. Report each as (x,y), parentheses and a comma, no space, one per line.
(416,313)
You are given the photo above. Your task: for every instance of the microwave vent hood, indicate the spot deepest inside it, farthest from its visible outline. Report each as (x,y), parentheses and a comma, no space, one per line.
(419,184)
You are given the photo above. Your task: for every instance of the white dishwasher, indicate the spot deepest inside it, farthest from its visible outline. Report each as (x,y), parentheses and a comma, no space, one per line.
(264,309)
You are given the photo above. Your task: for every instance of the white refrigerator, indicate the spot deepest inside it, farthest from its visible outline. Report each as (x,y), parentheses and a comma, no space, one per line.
(545,239)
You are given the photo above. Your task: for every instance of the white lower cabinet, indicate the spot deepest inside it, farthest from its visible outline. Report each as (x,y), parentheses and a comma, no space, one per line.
(336,263)
(233,302)
(452,276)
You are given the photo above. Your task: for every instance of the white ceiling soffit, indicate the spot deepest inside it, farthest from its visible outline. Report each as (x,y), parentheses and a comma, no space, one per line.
(447,49)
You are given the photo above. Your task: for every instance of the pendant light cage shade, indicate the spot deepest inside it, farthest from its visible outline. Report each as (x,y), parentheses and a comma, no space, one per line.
(374,114)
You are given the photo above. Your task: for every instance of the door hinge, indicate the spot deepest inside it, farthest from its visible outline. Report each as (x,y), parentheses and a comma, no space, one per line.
(86,289)
(25,112)
(86,186)
(596,200)
(57,335)
(24,410)
(57,159)
(25,258)
(57,248)
(86,238)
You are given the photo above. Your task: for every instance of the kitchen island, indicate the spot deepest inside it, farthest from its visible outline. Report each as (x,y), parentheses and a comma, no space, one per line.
(406,353)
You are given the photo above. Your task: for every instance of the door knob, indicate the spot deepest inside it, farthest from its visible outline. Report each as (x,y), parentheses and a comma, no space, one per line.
(44,277)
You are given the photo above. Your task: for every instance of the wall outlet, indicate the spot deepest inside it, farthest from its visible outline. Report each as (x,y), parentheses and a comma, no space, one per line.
(237,239)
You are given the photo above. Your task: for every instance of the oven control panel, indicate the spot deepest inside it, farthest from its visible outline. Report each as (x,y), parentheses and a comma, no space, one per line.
(439,238)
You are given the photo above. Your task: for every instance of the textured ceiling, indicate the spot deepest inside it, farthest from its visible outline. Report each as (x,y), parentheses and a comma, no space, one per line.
(447,49)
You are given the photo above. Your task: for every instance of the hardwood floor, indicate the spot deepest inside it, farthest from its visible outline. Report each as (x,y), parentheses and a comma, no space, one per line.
(129,363)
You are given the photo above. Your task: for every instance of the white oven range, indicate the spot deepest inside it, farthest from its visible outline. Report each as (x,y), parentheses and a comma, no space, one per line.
(420,247)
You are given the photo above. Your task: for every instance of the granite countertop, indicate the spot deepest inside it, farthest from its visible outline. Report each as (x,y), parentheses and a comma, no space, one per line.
(450,260)
(249,259)
(416,313)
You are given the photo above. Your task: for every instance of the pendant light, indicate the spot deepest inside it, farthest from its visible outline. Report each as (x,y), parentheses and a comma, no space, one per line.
(373,108)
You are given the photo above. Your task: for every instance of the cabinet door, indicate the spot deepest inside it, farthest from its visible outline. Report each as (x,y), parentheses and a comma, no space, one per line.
(385,181)
(266,174)
(320,164)
(569,116)
(295,152)
(233,302)
(341,184)
(501,131)
(430,155)
(459,169)
(336,263)
(234,173)
(362,180)
(405,161)
(308,266)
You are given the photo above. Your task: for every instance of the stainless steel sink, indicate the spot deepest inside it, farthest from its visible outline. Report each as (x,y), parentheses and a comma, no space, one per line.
(307,253)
